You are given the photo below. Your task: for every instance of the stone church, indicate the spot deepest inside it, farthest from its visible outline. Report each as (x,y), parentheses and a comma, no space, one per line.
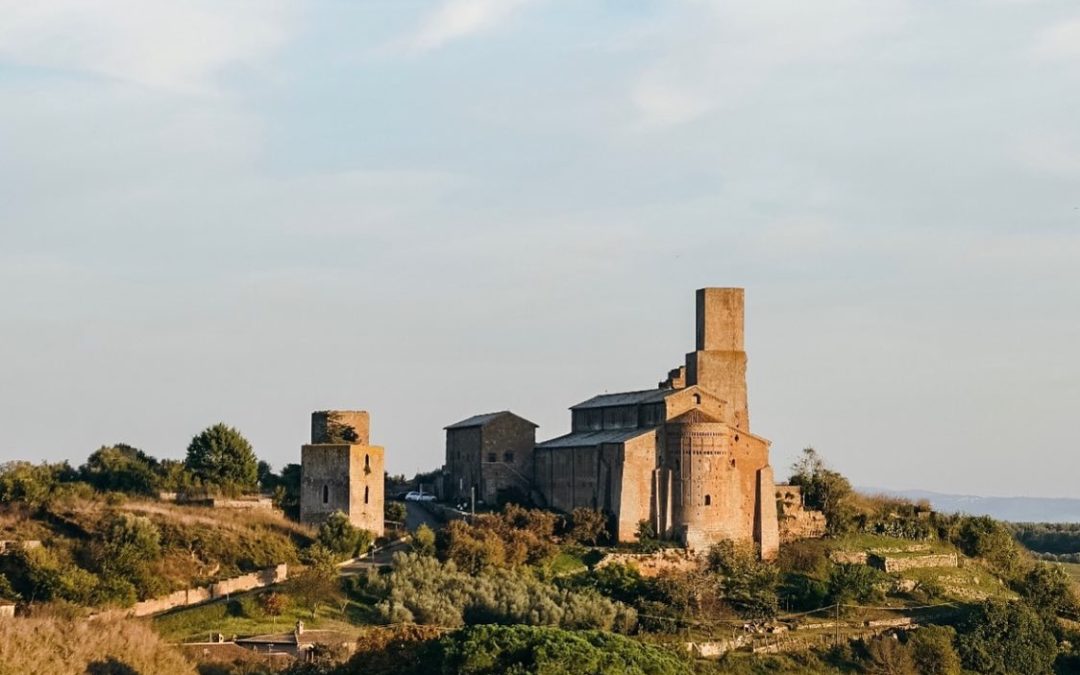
(680,456)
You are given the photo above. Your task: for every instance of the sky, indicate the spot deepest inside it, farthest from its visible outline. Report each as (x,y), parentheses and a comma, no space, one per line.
(241,211)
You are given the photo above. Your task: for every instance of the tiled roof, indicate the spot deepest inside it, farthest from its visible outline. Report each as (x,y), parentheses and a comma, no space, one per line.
(625,398)
(585,439)
(482,420)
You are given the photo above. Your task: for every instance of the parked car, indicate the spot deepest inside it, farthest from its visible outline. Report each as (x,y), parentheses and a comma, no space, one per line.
(419,497)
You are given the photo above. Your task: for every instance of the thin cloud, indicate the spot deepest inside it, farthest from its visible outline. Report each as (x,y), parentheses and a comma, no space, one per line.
(457,19)
(178,47)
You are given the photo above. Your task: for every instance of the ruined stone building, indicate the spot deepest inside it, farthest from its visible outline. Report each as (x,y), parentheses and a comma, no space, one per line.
(680,456)
(340,471)
(491,454)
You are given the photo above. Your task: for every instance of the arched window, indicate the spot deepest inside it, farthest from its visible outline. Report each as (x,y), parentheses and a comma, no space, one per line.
(708,500)
(697,399)
(365,494)
(326,494)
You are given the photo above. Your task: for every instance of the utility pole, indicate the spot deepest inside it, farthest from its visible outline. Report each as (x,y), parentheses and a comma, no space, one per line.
(836,641)
(472,501)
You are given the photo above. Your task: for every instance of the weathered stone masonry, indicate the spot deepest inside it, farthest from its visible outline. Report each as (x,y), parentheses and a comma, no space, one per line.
(341,472)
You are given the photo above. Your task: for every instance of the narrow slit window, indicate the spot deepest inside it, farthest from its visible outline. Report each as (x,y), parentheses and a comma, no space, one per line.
(366,494)
(708,500)
(326,494)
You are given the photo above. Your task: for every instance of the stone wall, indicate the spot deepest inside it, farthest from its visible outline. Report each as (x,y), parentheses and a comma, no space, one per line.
(194,596)
(796,521)
(654,564)
(11,545)
(902,563)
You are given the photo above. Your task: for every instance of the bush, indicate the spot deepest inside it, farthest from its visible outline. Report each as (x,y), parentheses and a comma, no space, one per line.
(339,535)
(1047,590)
(424,590)
(523,650)
(885,655)
(423,540)
(121,468)
(745,583)
(395,511)
(999,638)
(933,652)
(587,526)
(824,490)
(849,583)
(984,537)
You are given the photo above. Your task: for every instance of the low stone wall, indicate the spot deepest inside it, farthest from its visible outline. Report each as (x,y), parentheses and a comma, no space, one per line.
(849,557)
(900,564)
(443,513)
(194,596)
(11,545)
(653,564)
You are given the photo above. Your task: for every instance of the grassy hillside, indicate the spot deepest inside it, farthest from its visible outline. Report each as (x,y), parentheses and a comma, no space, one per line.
(50,646)
(112,551)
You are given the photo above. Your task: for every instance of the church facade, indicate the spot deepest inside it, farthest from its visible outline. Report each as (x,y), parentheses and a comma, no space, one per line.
(680,457)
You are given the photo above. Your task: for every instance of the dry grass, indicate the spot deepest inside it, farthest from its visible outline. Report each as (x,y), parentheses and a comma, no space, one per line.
(51,646)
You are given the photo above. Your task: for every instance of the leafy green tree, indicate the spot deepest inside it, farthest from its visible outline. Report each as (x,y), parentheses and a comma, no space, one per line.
(984,537)
(121,468)
(7,591)
(319,583)
(587,526)
(933,651)
(33,484)
(222,457)
(1001,638)
(423,540)
(824,490)
(528,650)
(746,583)
(130,542)
(341,537)
(173,476)
(395,511)
(1048,590)
(886,655)
(850,583)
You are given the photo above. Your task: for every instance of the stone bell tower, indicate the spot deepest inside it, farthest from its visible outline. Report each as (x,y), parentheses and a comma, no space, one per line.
(718,364)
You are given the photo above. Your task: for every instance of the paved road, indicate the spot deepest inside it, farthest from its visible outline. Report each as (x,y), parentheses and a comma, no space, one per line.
(415,515)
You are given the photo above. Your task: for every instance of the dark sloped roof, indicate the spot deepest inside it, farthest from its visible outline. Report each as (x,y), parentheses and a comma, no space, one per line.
(625,398)
(695,416)
(585,439)
(482,420)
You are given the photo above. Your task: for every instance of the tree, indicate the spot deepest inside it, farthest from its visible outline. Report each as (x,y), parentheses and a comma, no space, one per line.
(824,490)
(999,638)
(395,511)
(933,651)
(423,540)
(221,456)
(273,603)
(854,583)
(121,468)
(1048,590)
(587,526)
(340,536)
(319,583)
(32,484)
(886,656)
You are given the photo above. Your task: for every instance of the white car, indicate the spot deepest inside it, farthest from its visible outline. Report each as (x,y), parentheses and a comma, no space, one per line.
(419,497)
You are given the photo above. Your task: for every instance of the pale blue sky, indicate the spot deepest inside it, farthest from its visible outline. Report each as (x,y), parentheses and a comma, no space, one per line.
(246,211)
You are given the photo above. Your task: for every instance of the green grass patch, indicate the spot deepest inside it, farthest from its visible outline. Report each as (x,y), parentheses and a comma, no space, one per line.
(241,615)
(1072,569)
(891,546)
(971,583)
(567,562)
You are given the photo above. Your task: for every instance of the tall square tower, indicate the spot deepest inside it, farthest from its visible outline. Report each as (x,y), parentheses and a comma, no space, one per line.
(340,471)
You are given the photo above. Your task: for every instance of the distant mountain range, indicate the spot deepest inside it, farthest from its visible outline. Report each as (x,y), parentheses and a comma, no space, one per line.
(1015,509)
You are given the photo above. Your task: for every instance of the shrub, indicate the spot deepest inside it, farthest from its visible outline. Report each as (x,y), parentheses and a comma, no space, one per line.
(885,655)
(1000,637)
(824,490)
(423,540)
(424,590)
(1047,590)
(854,583)
(395,511)
(339,535)
(587,526)
(747,584)
(986,538)
(933,652)
(523,650)
(121,468)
